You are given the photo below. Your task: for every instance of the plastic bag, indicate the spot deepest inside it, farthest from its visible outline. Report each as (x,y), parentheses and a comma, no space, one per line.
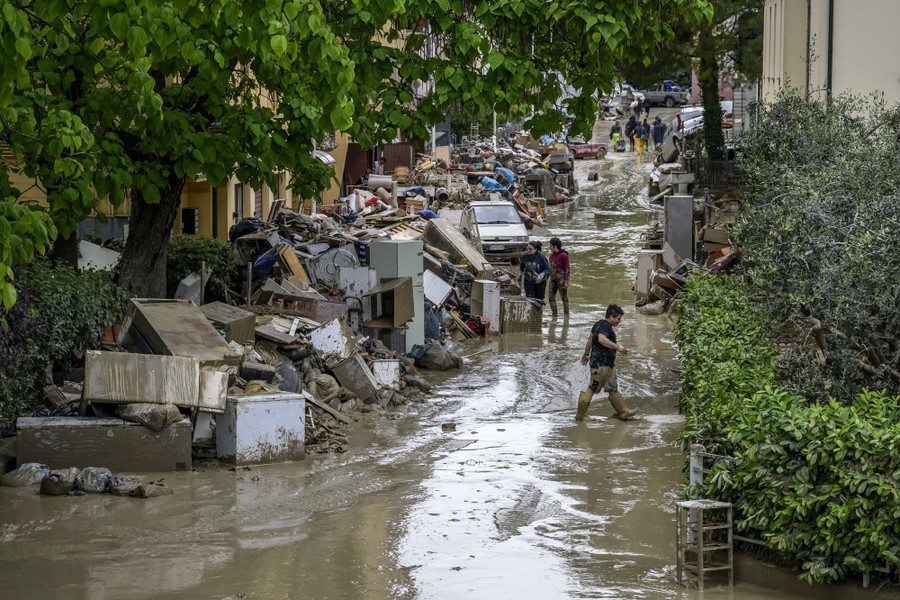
(95,480)
(25,474)
(436,358)
(59,482)
(153,416)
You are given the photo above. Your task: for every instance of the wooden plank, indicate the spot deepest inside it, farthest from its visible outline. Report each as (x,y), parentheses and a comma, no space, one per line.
(289,261)
(327,409)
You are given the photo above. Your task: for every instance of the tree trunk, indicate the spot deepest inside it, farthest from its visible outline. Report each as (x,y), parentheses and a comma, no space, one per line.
(65,250)
(709,86)
(150,226)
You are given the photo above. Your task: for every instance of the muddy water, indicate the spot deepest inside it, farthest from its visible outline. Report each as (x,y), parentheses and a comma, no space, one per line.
(518,502)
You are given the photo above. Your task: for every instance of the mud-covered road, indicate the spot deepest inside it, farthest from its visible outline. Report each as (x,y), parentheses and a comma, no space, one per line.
(520,501)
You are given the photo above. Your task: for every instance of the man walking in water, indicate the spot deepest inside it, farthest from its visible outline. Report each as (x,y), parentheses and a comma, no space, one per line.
(601,351)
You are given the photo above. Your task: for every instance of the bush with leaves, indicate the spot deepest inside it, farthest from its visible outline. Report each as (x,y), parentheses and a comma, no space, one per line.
(21,364)
(186,255)
(62,313)
(818,482)
(724,356)
(819,228)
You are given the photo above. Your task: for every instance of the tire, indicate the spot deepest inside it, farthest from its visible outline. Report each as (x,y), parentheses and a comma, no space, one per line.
(601,153)
(670,101)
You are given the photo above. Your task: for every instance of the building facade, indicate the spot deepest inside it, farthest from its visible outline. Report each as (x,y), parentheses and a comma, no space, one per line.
(823,47)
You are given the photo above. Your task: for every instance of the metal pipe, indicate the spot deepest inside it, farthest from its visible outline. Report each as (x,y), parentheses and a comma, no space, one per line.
(828,84)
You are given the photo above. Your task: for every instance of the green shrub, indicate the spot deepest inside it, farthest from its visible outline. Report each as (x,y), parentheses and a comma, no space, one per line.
(62,313)
(186,255)
(725,356)
(818,482)
(21,364)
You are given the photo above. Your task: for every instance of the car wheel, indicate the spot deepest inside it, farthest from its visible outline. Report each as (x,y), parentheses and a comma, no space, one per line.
(600,153)
(670,101)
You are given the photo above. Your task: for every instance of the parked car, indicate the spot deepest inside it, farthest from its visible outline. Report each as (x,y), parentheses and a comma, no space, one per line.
(582,149)
(496,228)
(667,93)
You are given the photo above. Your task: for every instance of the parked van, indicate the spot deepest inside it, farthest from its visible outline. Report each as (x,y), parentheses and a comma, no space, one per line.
(496,228)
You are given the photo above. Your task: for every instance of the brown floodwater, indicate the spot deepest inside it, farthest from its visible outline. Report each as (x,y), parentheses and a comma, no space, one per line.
(520,501)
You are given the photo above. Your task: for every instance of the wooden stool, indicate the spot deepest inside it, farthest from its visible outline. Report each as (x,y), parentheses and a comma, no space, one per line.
(710,523)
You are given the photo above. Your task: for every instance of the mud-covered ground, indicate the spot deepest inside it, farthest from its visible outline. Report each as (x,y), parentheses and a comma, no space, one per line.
(519,501)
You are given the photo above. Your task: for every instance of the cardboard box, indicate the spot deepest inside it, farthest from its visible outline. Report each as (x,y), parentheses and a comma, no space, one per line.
(717,236)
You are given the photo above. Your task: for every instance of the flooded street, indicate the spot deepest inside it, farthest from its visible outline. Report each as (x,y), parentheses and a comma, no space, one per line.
(519,501)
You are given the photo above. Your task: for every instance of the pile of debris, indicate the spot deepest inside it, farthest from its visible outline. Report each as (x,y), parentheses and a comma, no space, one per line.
(681,226)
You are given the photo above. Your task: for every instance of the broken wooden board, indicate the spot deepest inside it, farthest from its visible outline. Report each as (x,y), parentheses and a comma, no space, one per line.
(288,260)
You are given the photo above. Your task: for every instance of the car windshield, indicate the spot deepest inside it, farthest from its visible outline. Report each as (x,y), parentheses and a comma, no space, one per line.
(501,213)
(577,139)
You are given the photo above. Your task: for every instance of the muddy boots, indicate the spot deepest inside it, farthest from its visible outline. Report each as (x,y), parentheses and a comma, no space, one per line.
(618,403)
(553,308)
(584,402)
(565,308)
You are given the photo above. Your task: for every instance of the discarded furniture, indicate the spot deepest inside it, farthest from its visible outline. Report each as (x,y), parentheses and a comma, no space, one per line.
(390,303)
(443,235)
(485,301)
(386,372)
(126,378)
(704,539)
(175,328)
(237,323)
(647,262)
(334,338)
(679,224)
(118,445)
(403,259)
(262,429)
(519,315)
(353,374)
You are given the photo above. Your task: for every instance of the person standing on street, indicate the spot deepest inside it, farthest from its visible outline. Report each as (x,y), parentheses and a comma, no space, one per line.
(615,133)
(600,352)
(629,132)
(533,271)
(659,132)
(646,106)
(560,271)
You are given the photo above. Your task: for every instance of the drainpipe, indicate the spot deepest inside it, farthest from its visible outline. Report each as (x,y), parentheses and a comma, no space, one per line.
(828,85)
(808,42)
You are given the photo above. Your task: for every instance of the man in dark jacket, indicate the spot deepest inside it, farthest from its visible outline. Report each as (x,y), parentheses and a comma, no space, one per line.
(629,132)
(601,351)
(659,132)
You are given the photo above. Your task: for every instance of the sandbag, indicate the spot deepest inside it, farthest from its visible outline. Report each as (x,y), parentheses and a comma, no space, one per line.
(323,387)
(124,486)
(153,416)
(25,474)
(153,489)
(59,482)
(95,480)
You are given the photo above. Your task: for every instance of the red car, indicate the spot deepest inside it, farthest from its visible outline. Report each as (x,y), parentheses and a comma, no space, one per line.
(582,149)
